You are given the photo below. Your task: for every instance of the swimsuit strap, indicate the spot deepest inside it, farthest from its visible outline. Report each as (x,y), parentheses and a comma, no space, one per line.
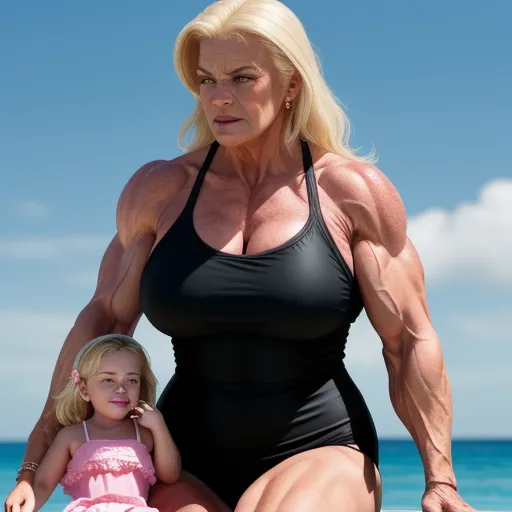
(85,431)
(137,429)
(314,202)
(194,194)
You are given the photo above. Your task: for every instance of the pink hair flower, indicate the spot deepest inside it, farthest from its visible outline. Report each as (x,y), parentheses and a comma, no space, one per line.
(75,375)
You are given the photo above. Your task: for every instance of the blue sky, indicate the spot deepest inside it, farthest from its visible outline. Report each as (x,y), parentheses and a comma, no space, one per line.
(88,94)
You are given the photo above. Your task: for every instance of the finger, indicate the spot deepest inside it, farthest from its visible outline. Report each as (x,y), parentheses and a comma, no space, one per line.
(430,505)
(145,405)
(460,507)
(140,410)
(16,507)
(135,414)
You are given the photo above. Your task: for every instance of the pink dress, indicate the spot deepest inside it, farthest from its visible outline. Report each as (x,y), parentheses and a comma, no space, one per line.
(109,475)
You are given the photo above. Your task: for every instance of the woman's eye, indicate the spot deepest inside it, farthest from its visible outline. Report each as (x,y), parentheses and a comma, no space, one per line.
(239,79)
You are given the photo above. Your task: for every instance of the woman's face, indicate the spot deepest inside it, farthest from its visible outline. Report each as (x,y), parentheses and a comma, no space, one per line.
(239,89)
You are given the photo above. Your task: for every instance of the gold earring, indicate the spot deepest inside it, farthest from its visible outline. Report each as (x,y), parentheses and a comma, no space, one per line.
(287,105)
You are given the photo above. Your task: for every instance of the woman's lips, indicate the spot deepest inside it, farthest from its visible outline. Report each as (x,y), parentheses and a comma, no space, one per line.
(226,119)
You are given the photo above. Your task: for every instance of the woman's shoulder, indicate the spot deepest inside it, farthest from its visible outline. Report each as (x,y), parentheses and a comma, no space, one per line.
(171,173)
(153,186)
(162,177)
(355,176)
(366,195)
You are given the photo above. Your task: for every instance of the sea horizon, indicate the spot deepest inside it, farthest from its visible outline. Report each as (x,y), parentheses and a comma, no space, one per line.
(9,440)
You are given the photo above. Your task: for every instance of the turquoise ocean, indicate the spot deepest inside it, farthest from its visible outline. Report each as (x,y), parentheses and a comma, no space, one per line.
(483,469)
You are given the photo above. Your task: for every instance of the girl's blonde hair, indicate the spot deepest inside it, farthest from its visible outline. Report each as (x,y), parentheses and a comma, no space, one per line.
(71,408)
(315,115)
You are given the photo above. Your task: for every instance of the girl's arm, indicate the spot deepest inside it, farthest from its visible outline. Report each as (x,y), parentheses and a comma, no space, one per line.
(52,468)
(166,457)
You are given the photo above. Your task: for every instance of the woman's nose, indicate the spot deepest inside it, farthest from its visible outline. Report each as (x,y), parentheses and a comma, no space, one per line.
(222,96)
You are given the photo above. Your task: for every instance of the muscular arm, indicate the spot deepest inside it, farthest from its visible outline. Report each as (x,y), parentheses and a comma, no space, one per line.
(391,279)
(114,306)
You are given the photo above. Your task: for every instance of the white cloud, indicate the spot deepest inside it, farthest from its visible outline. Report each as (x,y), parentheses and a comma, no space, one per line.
(472,243)
(52,247)
(32,209)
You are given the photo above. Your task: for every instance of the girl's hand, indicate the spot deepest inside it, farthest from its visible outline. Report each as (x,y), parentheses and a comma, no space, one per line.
(21,498)
(148,416)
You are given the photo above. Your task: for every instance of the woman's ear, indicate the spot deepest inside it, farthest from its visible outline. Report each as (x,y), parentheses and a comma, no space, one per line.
(294,86)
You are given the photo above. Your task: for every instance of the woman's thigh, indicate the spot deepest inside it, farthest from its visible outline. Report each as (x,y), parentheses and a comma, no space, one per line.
(325,479)
(189,494)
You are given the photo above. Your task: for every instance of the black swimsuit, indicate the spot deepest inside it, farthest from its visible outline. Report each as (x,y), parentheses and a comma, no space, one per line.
(259,345)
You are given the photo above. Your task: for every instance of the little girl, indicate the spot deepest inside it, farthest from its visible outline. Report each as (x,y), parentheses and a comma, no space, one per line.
(102,457)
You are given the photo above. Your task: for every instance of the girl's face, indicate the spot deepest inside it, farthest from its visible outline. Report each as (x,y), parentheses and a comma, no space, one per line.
(114,390)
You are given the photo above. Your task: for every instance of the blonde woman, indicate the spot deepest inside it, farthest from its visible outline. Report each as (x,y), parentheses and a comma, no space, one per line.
(113,445)
(255,251)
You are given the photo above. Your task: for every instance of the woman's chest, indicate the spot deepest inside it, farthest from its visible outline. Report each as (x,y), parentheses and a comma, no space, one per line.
(301,288)
(231,219)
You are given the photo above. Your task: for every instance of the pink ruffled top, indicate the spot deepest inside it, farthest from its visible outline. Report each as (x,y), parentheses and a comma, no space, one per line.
(118,470)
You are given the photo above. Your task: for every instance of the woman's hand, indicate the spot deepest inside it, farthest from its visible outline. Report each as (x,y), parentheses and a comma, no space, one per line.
(440,497)
(21,498)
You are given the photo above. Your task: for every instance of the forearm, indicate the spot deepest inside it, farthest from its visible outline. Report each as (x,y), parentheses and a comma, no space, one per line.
(421,396)
(35,451)
(166,457)
(41,495)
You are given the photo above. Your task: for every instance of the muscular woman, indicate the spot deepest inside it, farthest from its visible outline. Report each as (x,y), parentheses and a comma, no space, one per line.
(255,251)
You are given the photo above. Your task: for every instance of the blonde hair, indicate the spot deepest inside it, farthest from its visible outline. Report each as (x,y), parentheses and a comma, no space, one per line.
(315,115)
(71,408)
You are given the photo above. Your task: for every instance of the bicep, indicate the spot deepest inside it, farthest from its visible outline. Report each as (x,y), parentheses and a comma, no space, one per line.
(393,291)
(119,275)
